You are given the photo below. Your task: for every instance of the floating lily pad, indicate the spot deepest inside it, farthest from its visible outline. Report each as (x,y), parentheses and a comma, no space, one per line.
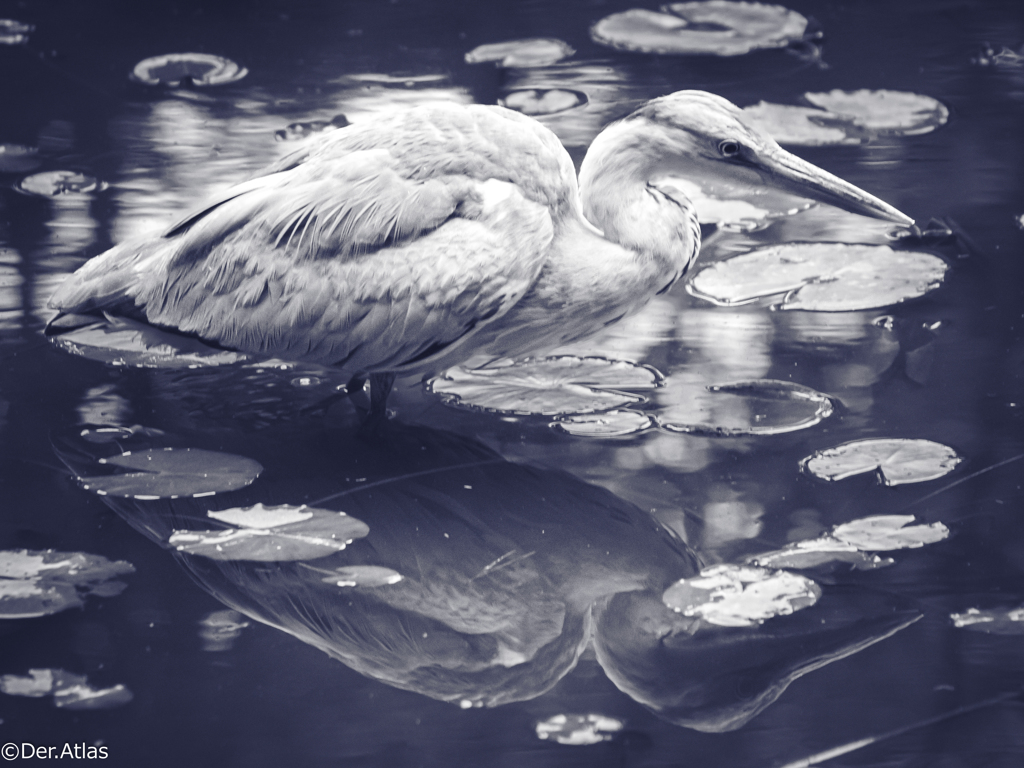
(718,27)
(53,183)
(299,131)
(546,102)
(741,595)
(804,126)
(101,435)
(69,691)
(122,342)
(882,533)
(175,69)
(362,576)
(547,386)
(825,277)
(578,730)
(530,52)
(322,533)
(994,621)
(15,158)
(897,460)
(814,553)
(761,407)
(14,32)
(608,424)
(40,583)
(171,473)
(890,112)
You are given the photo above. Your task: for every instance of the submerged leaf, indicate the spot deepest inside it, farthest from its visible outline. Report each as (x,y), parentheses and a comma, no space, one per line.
(826,277)
(260,516)
(881,533)
(893,112)
(761,407)
(741,596)
(363,576)
(578,730)
(994,621)
(897,460)
(69,691)
(53,183)
(530,52)
(15,158)
(322,533)
(543,102)
(170,473)
(40,583)
(546,386)
(719,27)
(174,69)
(608,424)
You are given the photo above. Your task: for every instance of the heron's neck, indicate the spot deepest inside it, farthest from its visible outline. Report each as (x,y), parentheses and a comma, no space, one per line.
(622,195)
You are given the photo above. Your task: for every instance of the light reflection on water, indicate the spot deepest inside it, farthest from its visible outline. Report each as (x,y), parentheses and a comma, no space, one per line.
(726,497)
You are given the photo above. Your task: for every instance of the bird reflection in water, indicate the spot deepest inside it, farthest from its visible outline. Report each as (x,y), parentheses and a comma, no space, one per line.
(509,572)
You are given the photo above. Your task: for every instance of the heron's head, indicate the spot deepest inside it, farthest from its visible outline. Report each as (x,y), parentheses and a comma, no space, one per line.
(705,138)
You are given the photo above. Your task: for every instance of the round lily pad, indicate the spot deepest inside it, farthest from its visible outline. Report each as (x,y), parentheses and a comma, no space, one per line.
(718,27)
(881,533)
(53,183)
(892,112)
(14,32)
(15,158)
(608,424)
(171,473)
(578,730)
(530,52)
(546,386)
(741,595)
(760,407)
(896,460)
(174,69)
(128,343)
(804,126)
(260,516)
(533,101)
(993,621)
(825,277)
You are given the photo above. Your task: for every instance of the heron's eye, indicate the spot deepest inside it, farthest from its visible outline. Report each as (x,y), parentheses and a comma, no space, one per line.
(728,148)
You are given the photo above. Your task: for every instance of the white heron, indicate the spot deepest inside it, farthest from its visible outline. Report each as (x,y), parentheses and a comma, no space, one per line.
(412,242)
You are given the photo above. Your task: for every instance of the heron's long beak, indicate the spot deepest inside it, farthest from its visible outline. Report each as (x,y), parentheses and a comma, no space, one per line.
(796,176)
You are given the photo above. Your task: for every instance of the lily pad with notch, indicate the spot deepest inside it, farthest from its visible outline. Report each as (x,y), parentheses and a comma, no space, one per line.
(550,101)
(40,583)
(607,424)
(883,533)
(177,69)
(716,27)
(548,386)
(578,730)
(760,407)
(529,52)
(896,461)
(54,183)
(897,113)
(823,277)
(171,473)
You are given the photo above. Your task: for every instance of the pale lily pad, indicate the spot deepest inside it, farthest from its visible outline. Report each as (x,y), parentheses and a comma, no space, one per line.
(897,460)
(260,516)
(103,435)
(323,533)
(69,691)
(127,343)
(171,473)
(740,595)
(718,27)
(993,621)
(891,112)
(546,102)
(825,277)
(547,386)
(608,424)
(14,32)
(530,52)
(40,583)
(761,407)
(362,576)
(54,183)
(175,69)
(804,126)
(814,553)
(578,730)
(15,158)
(882,533)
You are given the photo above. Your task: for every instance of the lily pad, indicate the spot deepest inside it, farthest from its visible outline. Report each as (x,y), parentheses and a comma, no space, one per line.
(814,553)
(890,112)
(578,730)
(543,102)
(547,386)
(40,583)
(803,126)
(53,183)
(993,621)
(882,533)
(896,460)
(529,52)
(740,595)
(608,424)
(761,407)
(825,277)
(14,32)
(69,691)
(175,69)
(122,342)
(219,629)
(171,473)
(718,27)
(15,158)
(322,533)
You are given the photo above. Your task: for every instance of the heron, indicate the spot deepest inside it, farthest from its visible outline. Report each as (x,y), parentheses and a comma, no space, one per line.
(414,241)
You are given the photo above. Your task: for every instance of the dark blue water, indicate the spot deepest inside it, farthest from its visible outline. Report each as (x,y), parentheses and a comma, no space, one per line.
(595,525)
